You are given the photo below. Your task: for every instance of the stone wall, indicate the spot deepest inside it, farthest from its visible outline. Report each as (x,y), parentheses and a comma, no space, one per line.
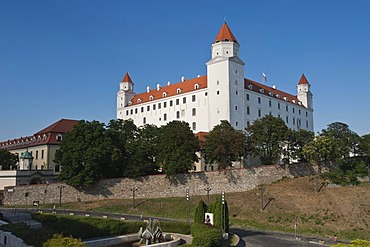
(233,180)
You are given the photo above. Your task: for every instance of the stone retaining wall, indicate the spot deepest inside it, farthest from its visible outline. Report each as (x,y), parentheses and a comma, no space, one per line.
(233,180)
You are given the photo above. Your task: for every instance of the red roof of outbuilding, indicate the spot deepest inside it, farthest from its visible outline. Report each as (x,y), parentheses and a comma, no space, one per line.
(61,126)
(225,34)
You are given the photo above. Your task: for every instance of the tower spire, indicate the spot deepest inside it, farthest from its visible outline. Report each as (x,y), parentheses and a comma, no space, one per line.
(225,34)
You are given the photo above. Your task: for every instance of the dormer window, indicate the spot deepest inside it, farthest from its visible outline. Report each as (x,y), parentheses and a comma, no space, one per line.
(285,98)
(39,138)
(262,90)
(178,90)
(196,86)
(164,94)
(294,101)
(299,103)
(278,96)
(59,137)
(271,93)
(44,138)
(139,100)
(151,97)
(250,87)
(130,102)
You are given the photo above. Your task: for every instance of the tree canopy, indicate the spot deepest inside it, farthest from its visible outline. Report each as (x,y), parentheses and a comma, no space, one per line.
(177,146)
(266,139)
(224,145)
(7,159)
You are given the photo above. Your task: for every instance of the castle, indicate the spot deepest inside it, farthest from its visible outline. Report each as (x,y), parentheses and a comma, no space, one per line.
(223,94)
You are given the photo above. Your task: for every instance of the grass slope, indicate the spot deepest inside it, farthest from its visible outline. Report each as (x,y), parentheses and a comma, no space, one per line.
(344,211)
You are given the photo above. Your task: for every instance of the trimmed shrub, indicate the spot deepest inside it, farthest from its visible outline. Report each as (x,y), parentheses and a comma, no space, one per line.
(200,210)
(60,241)
(206,236)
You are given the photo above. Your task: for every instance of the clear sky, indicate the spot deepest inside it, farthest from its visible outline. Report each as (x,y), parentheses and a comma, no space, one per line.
(65,58)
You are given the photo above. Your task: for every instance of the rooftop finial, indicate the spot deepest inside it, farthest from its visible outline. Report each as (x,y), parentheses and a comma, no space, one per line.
(224,19)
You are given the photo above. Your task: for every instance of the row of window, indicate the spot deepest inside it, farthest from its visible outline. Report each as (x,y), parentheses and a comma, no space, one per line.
(259,111)
(159,105)
(259,100)
(37,154)
(295,121)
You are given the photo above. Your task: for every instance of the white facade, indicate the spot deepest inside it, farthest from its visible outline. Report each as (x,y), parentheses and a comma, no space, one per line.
(223,94)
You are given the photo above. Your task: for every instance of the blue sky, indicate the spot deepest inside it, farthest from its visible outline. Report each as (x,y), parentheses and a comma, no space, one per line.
(64,59)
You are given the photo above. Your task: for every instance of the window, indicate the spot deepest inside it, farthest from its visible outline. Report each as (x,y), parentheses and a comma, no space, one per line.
(306,124)
(205,94)
(164,104)
(236,92)
(178,114)
(248,110)
(37,154)
(286,108)
(42,154)
(184,100)
(236,123)
(164,94)
(171,103)
(218,92)
(194,111)
(179,90)
(293,121)
(236,108)
(299,111)
(218,82)
(153,107)
(59,137)
(177,101)
(127,112)
(306,114)
(259,100)
(196,86)
(236,82)
(57,168)
(135,110)
(259,112)
(270,103)
(193,98)
(165,117)
(247,96)
(151,97)
(287,119)
(159,105)
(194,126)
(148,108)
(142,109)
(132,111)
(293,109)
(144,120)
(248,123)
(279,106)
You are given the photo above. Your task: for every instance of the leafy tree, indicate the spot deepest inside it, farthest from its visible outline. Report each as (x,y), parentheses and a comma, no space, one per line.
(364,145)
(84,154)
(345,140)
(295,141)
(60,241)
(122,134)
(224,145)
(200,210)
(7,159)
(176,148)
(142,152)
(319,150)
(266,139)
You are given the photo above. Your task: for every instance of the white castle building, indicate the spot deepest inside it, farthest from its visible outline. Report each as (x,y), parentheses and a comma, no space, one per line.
(223,94)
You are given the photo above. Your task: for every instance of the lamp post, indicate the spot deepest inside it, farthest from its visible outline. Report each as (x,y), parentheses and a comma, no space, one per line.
(60,187)
(45,191)
(133,189)
(223,226)
(187,203)
(208,189)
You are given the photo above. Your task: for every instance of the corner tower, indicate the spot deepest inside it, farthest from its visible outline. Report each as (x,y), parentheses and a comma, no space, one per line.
(225,78)
(304,93)
(124,94)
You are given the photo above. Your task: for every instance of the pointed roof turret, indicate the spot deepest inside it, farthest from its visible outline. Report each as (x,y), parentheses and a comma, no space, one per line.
(127,78)
(303,80)
(225,34)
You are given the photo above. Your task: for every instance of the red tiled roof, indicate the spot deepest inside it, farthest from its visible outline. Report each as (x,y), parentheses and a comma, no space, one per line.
(225,34)
(127,78)
(303,80)
(47,136)
(201,137)
(61,126)
(270,91)
(171,90)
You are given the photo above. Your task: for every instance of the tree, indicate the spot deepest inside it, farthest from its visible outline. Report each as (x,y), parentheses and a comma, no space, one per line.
(295,142)
(266,139)
(122,134)
(345,140)
(224,145)
(176,148)
(84,154)
(200,210)
(7,159)
(364,145)
(142,152)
